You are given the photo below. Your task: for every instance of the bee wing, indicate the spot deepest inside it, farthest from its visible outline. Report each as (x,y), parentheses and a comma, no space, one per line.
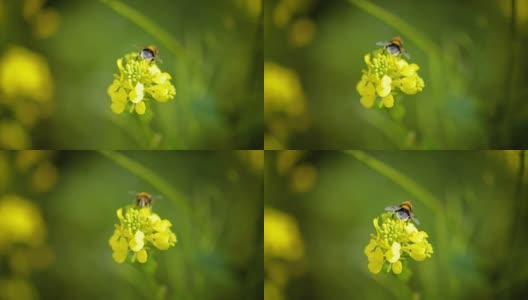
(406,54)
(392,208)
(413,217)
(384,43)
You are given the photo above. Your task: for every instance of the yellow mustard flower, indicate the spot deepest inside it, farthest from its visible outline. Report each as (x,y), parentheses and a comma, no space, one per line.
(138,82)
(138,230)
(386,75)
(394,242)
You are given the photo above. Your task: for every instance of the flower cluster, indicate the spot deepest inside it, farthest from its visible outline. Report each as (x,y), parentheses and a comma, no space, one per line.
(139,81)
(395,240)
(138,229)
(385,75)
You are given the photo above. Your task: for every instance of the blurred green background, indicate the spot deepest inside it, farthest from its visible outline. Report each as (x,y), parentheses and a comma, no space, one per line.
(55,96)
(470,57)
(332,197)
(76,194)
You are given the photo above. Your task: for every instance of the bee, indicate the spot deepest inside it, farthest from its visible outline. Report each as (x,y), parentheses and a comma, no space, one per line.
(404,212)
(395,47)
(144,199)
(149,53)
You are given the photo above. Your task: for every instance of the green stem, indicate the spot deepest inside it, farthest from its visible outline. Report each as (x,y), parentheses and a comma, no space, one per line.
(395,133)
(148,25)
(420,39)
(421,194)
(152,139)
(136,279)
(149,176)
(128,130)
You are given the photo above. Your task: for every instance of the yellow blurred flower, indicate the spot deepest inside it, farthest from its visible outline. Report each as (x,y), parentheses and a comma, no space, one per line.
(253,8)
(284,105)
(44,177)
(521,12)
(302,32)
(21,222)
(287,159)
(302,175)
(287,9)
(254,158)
(26,159)
(17,289)
(272,291)
(44,19)
(31,8)
(138,230)
(303,178)
(283,251)
(25,74)
(282,238)
(138,82)
(385,76)
(395,240)
(29,112)
(282,90)
(13,136)
(46,23)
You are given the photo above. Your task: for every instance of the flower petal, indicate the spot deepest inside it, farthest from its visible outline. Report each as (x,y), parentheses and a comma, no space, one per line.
(142,256)
(137,242)
(367,101)
(375,261)
(141,107)
(393,254)
(397,267)
(136,95)
(372,244)
(161,240)
(384,87)
(388,101)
